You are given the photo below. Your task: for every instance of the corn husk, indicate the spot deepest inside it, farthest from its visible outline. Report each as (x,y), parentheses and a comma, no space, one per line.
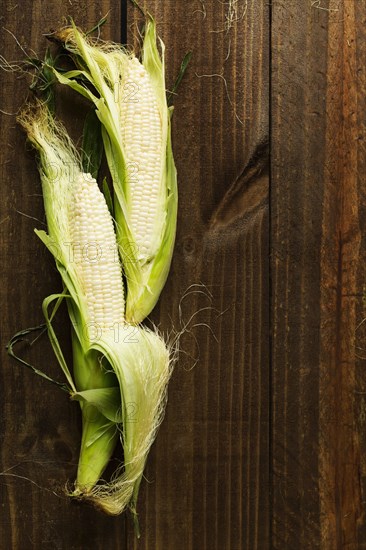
(102,65)
(119,379)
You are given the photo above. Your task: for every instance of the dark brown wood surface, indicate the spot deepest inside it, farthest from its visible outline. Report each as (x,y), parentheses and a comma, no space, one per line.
(318,276)
(263,441)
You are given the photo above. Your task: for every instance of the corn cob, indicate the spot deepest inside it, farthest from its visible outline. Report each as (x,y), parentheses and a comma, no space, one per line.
(135,371)
(142,142)
(131,103)
(95,254)
(77,215)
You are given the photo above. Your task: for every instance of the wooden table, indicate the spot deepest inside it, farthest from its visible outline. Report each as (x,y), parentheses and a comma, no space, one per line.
(263,443)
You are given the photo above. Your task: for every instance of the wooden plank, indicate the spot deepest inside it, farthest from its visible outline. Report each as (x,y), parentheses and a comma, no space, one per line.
(341,433)
(208,470)
(40,431)
(318,221)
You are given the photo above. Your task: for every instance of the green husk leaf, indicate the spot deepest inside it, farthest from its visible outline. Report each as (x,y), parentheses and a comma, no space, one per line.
(92,148)
(96,27)
(108,196)
(137,5)
(44,79)
(143,384)
(99,435)
(106,430)
(99,438)
(21,337)
(182,70)
(106,400)
(52,335)
(64,79)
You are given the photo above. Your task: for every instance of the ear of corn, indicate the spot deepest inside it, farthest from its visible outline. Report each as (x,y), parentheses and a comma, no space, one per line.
(131,104)
(120,372)
(68,197)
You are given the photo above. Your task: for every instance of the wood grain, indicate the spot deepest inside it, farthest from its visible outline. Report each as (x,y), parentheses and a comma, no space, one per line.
(263,442)
(208,470)
(317,206)
(207,476)
(40,431)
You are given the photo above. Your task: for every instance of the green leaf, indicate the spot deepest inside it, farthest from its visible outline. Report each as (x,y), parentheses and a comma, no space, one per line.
(21,337)
(108,197)
(137,5)
(52,335)
(96,437)
(182,70)
(92,148)
(64,79)
(106,400)
(44,78)
(96,27)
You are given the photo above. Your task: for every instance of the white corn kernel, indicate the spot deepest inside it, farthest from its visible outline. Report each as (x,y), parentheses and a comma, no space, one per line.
(96,255)
(142,140)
